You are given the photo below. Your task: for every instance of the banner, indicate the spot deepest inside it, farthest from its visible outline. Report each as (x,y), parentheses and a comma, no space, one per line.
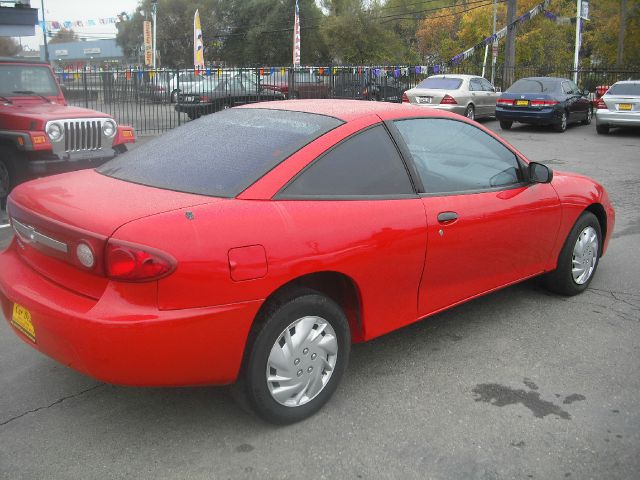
(198,49)
(92,22)
(148,48)
(296,37)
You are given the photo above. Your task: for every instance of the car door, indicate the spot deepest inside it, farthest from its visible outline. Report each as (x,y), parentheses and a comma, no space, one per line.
(358,214)
(478,96)
(575,107)
(492,96)
(487,227)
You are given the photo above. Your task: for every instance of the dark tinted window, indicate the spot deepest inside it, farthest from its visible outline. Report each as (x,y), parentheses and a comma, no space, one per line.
(364,165)
(454,156)
(534,85)
(440,83)
(625,89)
(220,154)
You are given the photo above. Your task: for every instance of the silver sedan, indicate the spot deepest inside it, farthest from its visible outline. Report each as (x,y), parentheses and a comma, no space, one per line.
(468,95)
(619,106)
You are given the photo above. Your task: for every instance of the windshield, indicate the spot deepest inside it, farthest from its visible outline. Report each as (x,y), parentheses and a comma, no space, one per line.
(625,89)
(531,85)
(18,79)
(440,83)
(221,154)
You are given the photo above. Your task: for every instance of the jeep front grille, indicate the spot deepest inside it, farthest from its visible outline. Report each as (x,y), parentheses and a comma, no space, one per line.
(82,134)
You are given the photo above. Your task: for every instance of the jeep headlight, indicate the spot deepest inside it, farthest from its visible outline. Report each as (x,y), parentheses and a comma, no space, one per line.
(54,131)
(109,128)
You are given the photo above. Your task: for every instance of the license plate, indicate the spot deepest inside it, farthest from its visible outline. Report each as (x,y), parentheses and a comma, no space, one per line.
(189,99)
(21,319)
(522,103)
(625,106)
(425,99)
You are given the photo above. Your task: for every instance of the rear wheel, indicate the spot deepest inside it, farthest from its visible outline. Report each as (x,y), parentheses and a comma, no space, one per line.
(588,117)
(561,126)
(505,125)
(578,258)
(602,129)
(470,113)
(299,352)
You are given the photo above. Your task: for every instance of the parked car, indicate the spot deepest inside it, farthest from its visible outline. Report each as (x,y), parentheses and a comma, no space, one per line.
(303,84)
(544,101)
(226,92)
(468,95)
(41,135)
(619,106)
(364,86)
(258,243)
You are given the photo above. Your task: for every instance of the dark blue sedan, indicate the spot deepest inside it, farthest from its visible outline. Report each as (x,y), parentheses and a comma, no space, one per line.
(543,101)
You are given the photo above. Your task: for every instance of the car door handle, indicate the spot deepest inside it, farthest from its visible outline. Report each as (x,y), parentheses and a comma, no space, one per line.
(447,217)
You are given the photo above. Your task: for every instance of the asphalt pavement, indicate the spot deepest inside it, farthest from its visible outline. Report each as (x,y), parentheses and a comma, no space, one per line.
(518,384)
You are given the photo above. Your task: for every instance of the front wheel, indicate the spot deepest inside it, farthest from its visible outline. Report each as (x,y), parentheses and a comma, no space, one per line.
(470,113)
(299,353)
(588,117)
(578,258)
(505,125)
(7,177)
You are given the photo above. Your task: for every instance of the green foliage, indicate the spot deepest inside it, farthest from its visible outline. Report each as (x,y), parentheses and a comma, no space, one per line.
(63,36)
(9,47)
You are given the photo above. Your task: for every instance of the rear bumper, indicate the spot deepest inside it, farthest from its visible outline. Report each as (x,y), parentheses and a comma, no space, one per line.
(121,342)
(40,164)
(617,119)
(459,109)
(544,116)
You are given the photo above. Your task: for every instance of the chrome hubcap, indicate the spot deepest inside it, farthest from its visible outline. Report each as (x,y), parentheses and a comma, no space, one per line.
(301,361)
(4,180)
(564,121)
(585,255)
(470,113)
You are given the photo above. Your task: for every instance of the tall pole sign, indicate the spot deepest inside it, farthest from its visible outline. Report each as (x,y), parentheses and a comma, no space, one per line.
(148,46)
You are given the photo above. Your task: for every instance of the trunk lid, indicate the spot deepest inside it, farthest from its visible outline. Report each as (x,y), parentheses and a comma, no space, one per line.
(52,216)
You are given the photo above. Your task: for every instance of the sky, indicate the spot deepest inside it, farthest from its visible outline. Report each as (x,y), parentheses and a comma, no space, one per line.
(62,10)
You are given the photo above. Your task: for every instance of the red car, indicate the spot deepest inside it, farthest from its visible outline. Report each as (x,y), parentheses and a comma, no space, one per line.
(258,243)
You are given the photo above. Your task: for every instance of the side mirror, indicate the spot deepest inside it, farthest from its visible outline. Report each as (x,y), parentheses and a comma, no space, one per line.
(539,173)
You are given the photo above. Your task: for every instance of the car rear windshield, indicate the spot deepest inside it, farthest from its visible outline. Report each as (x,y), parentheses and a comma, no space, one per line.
(534,85)
(625,89)
(221,154)
(440,83)
(18,80)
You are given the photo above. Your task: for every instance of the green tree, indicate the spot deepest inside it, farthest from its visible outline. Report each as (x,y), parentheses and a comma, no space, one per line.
(600,40)
(63,36)
(9,47)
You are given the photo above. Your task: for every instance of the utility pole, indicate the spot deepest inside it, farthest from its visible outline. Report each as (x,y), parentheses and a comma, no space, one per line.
(576,53)
(154,12)
(510,45)
(494,48)
(44,33)
(623,27)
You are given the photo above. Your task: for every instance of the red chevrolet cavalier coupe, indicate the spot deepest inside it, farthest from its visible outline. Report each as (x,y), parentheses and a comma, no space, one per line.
(257,244)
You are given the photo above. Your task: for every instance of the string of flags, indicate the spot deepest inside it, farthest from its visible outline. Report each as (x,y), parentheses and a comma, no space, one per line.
(92,22)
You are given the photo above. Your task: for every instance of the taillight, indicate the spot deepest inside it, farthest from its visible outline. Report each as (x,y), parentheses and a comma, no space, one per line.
(204,99)
(543,103)
(505,102)
(133,263)
(405,99)
(600,105)
(448,100)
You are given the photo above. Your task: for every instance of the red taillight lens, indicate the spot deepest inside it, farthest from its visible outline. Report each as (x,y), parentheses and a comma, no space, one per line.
(448,100)
(504,102)
(600,105)
(133,263)
(405,99)
(543,103)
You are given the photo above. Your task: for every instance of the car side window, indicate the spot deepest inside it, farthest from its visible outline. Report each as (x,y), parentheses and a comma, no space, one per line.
(453,156)
(566,88)
(486,85)
(475,85)
(367,164)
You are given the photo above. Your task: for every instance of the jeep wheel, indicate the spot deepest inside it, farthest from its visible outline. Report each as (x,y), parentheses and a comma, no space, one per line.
(6,174)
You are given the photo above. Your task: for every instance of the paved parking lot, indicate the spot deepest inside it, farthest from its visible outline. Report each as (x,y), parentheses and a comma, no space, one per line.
(518,384)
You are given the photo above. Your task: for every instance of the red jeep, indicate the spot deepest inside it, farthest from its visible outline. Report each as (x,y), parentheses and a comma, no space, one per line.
(41,135)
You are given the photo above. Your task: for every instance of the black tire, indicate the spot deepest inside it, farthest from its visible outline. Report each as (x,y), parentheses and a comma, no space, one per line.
(470,113)
(7,174)
(561,279)
(193,115)
(505,124)
(602,129)
(269,326)
(561,126)
(174,96)
(120,149)
(588,117)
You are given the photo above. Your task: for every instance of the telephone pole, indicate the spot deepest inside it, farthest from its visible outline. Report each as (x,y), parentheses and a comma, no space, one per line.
(623,27)
(510,45)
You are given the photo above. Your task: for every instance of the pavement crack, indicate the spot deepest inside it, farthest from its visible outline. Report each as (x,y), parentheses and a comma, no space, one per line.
(60,400)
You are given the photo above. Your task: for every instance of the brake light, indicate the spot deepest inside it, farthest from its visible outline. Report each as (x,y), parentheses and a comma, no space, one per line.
(405,99)
(600,105)
(543,103)
(204,99)
(448,100)
(504,102)
(133,263)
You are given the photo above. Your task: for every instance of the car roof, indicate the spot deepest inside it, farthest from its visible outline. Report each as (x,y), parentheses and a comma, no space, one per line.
(626,81)
(559,79)
(346,110)
(21,60)
(455,75)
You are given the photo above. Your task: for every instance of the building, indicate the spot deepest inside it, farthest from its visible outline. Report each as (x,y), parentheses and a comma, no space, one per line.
(98,53)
